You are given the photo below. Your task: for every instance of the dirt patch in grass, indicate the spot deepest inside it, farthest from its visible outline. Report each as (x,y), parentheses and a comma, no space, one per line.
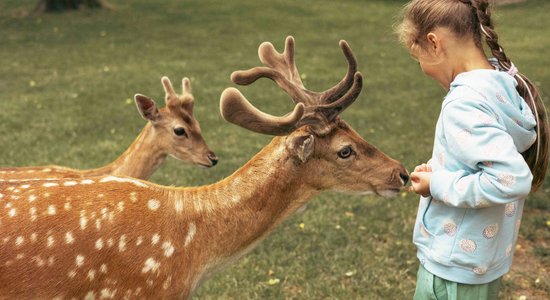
(529,276)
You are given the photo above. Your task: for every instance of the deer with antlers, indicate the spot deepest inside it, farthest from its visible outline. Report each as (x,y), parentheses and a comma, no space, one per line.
(118,237)
(171,130)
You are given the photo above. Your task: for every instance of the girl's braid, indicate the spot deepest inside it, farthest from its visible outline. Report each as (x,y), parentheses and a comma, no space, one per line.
(488,31)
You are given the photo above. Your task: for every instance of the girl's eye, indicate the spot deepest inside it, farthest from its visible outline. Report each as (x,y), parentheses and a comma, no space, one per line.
(346,152)
(180,131)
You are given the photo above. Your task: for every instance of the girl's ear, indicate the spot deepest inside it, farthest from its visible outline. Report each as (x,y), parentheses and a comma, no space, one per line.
(434,43)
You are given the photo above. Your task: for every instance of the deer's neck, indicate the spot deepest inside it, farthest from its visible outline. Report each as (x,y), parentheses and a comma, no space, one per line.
(140,160)
(230,217)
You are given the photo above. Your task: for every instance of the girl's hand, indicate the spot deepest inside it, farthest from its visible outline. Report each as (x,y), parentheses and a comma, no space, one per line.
(423,168)
(420,180)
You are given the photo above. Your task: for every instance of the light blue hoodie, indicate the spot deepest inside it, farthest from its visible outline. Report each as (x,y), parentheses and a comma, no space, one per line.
(467,230)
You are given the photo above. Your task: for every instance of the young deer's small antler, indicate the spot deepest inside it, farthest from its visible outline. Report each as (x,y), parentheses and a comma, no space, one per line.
(172,99)
(320,108)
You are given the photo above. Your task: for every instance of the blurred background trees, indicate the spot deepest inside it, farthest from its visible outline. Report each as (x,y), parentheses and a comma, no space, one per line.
(62,5)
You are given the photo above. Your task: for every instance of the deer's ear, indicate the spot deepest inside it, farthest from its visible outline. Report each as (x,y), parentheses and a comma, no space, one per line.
(147,108)
(300,146)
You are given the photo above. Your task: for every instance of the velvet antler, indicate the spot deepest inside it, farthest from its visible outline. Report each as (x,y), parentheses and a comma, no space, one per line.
(320,108)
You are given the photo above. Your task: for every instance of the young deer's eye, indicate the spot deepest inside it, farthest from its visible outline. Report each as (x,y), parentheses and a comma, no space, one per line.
(180,131)
(345,152)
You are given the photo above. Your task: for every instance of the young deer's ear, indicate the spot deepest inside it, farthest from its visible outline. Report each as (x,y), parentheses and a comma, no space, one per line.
(147,108)
(300,146)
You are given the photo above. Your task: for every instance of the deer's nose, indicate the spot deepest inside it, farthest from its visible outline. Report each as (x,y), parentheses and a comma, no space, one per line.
(404,176)
(213,158)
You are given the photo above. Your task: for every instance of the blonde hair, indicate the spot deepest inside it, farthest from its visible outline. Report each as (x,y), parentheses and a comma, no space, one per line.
(472,19)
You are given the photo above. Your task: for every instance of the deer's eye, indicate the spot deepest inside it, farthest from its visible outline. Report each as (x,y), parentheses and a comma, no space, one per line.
(345,152)
(180,131)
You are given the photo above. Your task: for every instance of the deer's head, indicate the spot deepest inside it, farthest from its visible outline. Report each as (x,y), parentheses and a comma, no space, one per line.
(330,153)
(175,128)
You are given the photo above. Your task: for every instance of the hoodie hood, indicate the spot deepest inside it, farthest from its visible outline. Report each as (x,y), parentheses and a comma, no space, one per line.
(498,91)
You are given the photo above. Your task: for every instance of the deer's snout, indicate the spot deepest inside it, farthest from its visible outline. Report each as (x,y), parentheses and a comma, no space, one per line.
(404,176)
(213,158)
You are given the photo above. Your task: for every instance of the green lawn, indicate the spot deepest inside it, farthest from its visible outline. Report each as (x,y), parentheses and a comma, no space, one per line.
(66,81)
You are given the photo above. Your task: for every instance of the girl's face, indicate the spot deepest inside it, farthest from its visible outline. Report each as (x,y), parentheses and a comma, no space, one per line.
(431,64)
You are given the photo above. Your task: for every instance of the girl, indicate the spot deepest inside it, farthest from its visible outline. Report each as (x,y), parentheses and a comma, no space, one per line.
(490,151)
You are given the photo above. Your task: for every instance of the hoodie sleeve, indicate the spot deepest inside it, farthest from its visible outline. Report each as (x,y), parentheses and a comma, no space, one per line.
(489,170)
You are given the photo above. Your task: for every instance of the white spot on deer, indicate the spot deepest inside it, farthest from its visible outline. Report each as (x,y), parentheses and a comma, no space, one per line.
(67,206)
(87,181)
(179,205)
(11,188)
(69,238)
(46,170)
(83,219)
(99,244)
(79,260)
(51,210)
(50,184)
(70,183)
(46,195)
(51,261)
(167,282)
(153,204)
(50,241)
(110,242)
(9,205)
(122,243)
(20,256)
(155,239)
(120,206)
(1,195)
(71,274)
(122,179)
(150,265)
(98,224)
(19,241)
(14,197)
(32,198)
(39,261)
(190,234)
(103,268)
(12,213)
(33,237)
(100,195)
(168,249)
(91,274)
(139,240)
(107,294)
(32,211)
(90,296)
(133,197)
(6,239)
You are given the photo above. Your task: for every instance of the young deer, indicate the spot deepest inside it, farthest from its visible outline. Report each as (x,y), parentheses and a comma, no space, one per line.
(172,130)
(117,237)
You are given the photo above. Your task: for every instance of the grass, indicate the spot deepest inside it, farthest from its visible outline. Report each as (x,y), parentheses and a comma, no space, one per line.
(66,81)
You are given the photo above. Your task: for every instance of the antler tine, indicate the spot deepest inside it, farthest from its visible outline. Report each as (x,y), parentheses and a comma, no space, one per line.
(331,110)
(281,68)
(282,62)
(342,87)
(168,89)
(186,85)
(235,108)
